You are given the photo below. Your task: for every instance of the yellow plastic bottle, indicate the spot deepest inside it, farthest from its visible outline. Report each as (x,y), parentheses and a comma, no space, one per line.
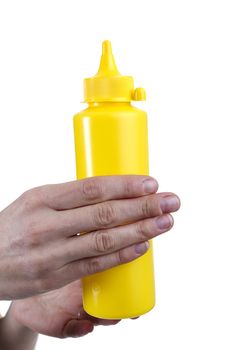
(111,138)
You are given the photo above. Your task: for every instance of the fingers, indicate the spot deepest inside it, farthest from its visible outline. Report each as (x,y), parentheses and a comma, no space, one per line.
(77,328)
(81,268)
(96,189)
(82,315)
(47,273)
(103,322)
(69,259)
(110,240)
(114,213)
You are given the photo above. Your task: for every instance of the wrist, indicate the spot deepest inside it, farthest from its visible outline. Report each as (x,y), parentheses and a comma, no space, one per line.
(13,333)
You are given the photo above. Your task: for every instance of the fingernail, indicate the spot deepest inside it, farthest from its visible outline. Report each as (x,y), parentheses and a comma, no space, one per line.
(141,248)
(164,221)
(150,186)
(169,203)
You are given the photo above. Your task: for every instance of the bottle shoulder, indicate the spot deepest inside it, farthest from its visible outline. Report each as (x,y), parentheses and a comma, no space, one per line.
(110,111)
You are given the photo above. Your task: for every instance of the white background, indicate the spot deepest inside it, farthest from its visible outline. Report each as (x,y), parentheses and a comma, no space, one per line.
(182,53)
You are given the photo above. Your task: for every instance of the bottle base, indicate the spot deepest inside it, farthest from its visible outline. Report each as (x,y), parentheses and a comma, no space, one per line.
(119,315)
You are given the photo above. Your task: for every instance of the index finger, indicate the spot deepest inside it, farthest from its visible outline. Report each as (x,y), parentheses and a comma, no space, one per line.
(97,189)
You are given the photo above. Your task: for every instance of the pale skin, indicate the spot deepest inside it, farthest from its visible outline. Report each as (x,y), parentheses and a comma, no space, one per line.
(43,256)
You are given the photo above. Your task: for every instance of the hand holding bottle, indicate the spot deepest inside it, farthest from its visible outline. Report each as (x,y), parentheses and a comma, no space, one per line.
(40,249)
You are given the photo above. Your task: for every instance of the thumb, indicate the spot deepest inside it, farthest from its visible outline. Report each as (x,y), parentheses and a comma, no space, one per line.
(77,328)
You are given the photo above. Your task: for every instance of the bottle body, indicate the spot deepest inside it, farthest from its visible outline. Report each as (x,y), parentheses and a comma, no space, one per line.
(111,138)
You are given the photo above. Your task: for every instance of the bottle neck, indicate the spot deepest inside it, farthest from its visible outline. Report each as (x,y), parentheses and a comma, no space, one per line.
(108,104)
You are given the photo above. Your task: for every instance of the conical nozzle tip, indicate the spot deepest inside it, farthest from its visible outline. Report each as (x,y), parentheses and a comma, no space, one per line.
(106,47)
(107,63)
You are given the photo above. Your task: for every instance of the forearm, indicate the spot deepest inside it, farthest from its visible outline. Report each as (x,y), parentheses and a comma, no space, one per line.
(14,336)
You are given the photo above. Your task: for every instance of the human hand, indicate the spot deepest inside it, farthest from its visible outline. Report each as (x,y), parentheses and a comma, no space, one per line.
(56,313)
(40,249)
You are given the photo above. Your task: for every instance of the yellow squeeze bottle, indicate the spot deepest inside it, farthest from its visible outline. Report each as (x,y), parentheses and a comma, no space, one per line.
(111,138)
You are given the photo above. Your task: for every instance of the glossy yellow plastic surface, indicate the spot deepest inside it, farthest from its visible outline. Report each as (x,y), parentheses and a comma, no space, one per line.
(111,139)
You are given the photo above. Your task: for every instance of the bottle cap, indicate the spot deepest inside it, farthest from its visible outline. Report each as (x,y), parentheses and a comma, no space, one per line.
(108,84)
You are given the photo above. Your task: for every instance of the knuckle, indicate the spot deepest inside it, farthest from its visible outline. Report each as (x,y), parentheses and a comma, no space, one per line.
(129,186)
(103,242)
(121,257)
(31,198)
(104,214)
(146,207)
(92,189)
(142,230)
(93,266)
(27,200)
